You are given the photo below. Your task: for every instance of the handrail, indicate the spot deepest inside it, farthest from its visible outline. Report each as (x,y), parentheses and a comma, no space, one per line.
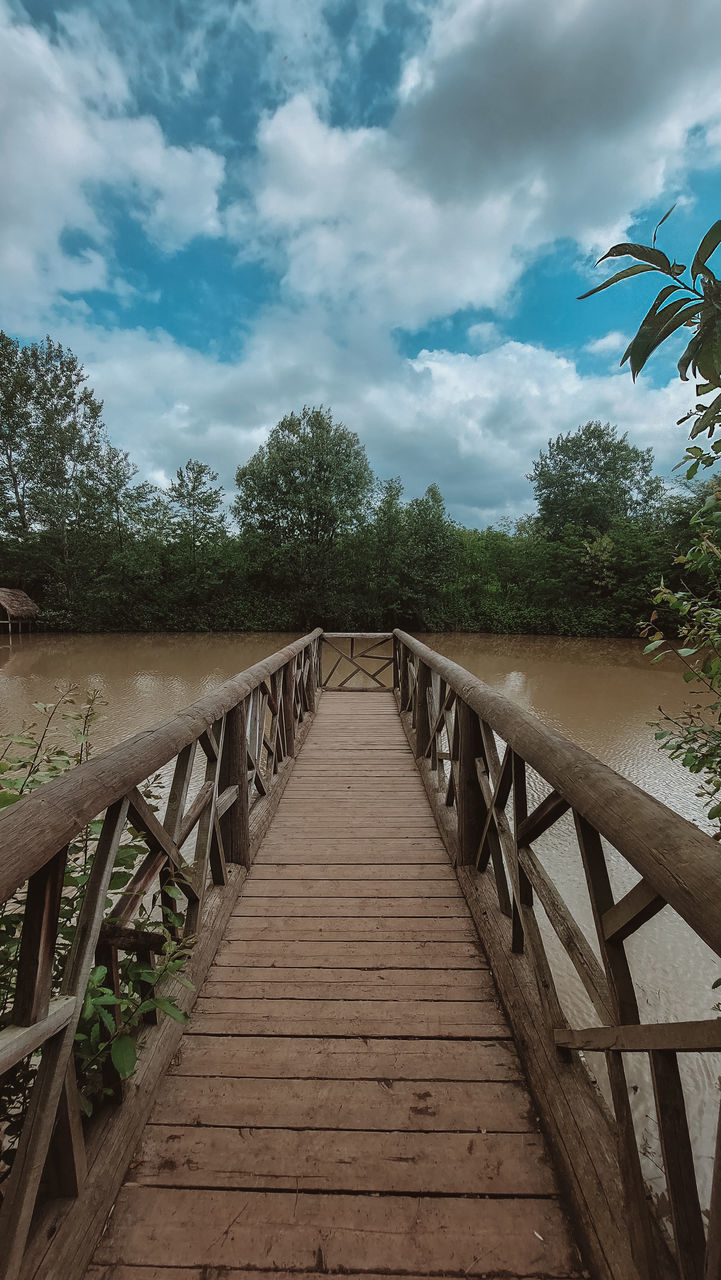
(474,750)
(51,816)
(677,859)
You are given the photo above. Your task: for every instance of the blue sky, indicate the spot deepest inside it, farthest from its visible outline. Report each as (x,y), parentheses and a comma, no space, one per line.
(232,208)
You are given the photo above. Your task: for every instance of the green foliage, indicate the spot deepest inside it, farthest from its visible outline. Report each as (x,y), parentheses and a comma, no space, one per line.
(319,539)
(105,1040)
(694,606)
(592,477)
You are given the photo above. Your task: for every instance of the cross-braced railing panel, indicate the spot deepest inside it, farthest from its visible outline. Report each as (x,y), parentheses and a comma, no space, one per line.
(357,662)
(156,852)
(481,758)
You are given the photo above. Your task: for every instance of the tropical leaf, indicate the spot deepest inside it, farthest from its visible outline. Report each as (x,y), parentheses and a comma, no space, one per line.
(660,224)
(643,252)
(620,275)
(710,416)
(661,326)
(710,242)
(688,358)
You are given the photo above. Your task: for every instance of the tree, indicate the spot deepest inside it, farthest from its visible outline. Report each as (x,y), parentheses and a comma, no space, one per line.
(312,481)
(197,508)
(51,436)
(593,477)
(299,497)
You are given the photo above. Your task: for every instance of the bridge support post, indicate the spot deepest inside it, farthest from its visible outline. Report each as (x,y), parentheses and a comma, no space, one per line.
(233,771)
(287,706)
(470,801)
(422,719)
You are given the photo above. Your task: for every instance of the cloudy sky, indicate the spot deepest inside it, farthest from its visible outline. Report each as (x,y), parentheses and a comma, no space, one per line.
(231,208)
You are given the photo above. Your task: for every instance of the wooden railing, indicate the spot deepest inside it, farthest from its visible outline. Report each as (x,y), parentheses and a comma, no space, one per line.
(480,756)
(246,733)
(357,662)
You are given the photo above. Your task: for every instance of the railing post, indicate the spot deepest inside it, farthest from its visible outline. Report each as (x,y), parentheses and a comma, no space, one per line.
(311,681)
(422,725)
(288,697)
(37,945)
(469,798)
(405,693)
(233,771)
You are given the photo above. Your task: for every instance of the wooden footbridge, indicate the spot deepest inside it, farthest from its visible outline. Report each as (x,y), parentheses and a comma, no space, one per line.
(378,1077)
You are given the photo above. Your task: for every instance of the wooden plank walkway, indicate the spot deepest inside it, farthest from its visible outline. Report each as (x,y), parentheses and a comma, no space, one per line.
(347,1097)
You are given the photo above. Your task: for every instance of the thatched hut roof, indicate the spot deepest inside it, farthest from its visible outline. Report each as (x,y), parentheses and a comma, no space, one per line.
(16,604)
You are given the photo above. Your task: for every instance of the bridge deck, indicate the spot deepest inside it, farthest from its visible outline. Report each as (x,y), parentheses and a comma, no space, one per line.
(347,1097)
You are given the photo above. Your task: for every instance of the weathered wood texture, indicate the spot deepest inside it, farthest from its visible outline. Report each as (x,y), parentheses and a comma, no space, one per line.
(247,732)
(477,753)
(347,1097)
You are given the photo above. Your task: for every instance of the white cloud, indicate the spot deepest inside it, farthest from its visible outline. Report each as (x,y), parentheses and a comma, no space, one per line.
(483,334)
(613,343)
(443,417)
(355,230)
(517,125)
(68,131)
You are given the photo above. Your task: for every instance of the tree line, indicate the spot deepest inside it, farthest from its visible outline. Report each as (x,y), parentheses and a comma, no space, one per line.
(311,536)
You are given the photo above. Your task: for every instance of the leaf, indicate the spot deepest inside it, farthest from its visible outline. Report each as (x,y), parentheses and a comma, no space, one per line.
(172,1010)
(620,275)
(124,1056)
(689,356)
(666,322)
(105,1018)
(710,242)
(172,891)
(643,252)
(707,418)
(653,645)
(8,798)
(660,224)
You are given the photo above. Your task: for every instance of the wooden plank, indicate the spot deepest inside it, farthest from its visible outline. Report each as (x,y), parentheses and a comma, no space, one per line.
(379,849)
(678,1160)
(121,1272)
(507,1164)
(684,1037)
(360,908)
(639,905)
(327,825)
(384,1104)
(339,1058)
(263,889)
(351,984)
(17,1043)
(33,979)
(453,1018)
(300,1231)
(381,874)
(288,929)
(570,935)
(364,955)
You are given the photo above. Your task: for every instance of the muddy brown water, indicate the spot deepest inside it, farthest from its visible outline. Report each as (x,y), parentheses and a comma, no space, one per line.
(600,693)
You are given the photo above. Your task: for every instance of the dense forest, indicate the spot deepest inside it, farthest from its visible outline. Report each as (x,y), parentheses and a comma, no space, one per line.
(311,535)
